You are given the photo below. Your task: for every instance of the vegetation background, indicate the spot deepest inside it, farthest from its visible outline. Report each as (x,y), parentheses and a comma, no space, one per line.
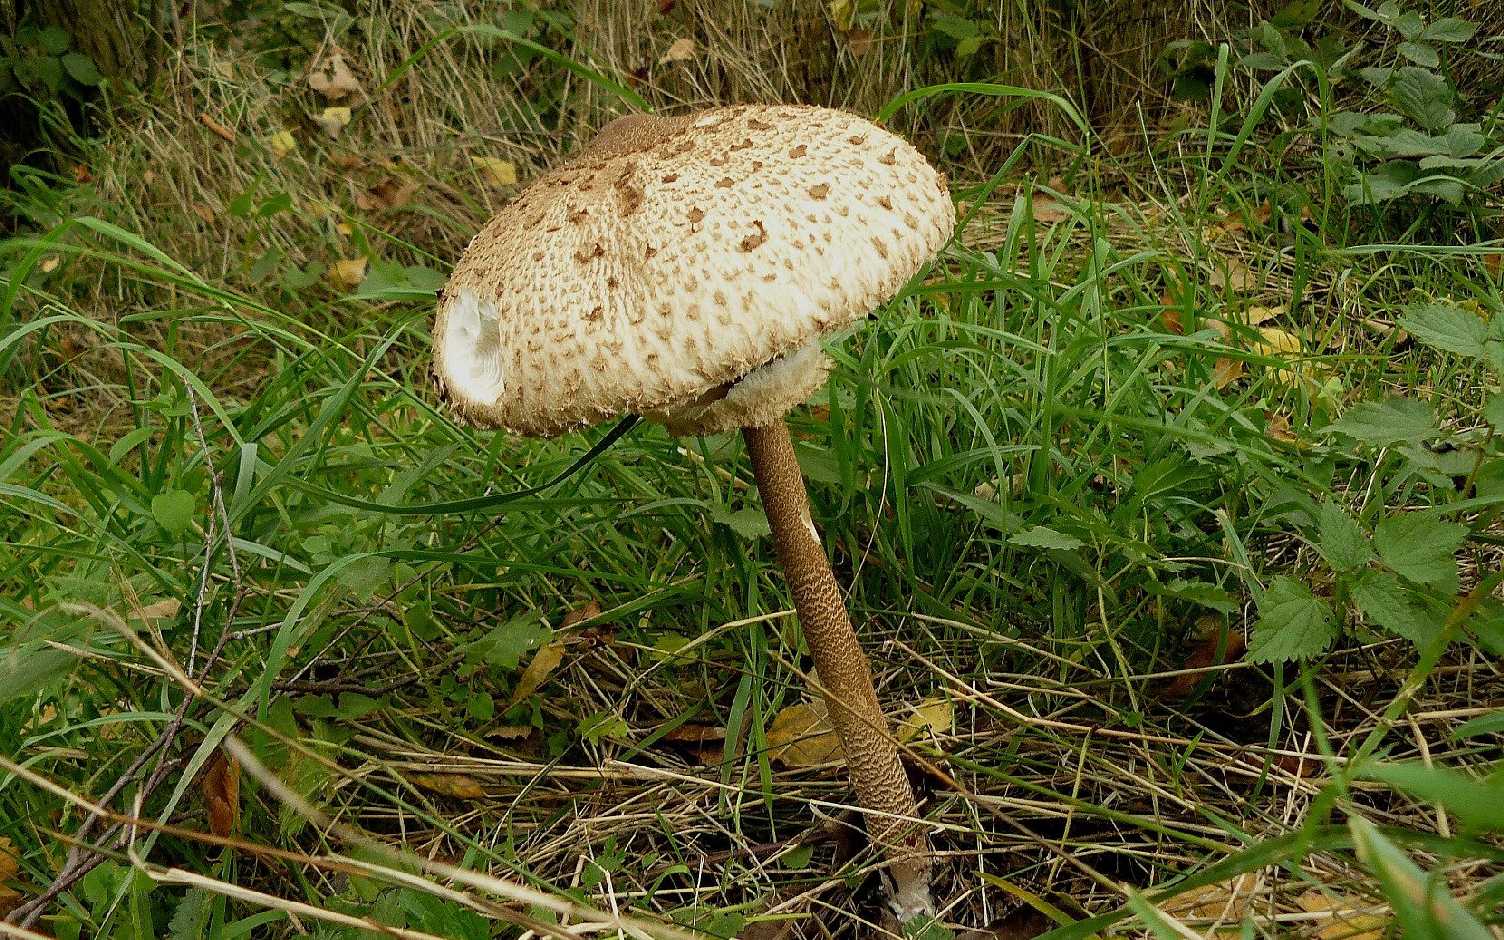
(1168,499)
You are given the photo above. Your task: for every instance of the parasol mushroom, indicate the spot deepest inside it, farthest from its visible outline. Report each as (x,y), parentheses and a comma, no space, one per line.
(686,269)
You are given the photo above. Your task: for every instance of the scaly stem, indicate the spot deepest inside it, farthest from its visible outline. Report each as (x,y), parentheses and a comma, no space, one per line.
(882,788)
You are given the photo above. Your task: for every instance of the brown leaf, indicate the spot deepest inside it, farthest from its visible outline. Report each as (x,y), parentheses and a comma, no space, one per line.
(859,41)
(1201,655)
(219,129)
(81,173)
(696,735)
(347,273)
(542,665)
(1048,210)
(1235,276)
(389,194)
(1493,263)
(1226,902)
(159,610)
(682,50)
(220,787)
(204,212)
(1024,923)
(1277,426)
(1226,371)
(331,77)
(10,866)
(588,611)
(801,736)
(458,786)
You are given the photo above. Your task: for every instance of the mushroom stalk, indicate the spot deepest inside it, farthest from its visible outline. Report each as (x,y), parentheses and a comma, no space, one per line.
(882,787)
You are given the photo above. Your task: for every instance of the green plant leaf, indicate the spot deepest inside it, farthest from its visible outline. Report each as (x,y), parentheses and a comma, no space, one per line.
(504,645)
(1449,29)
(1293,623)
(1044,537)
(1343,543)
(1421,548)
(747,523)
(1386,602)
(173,510)
(1480,726)
(81,69)
(1420,53)
(1424,96)
(1424,906)
(1493,412)
(1446,327)
(1388,422)
(27,668)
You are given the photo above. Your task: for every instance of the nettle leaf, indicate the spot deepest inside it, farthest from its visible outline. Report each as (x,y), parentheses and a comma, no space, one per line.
(1293,623)
(1387,422)
(1420,53)
(504,645)
(173,510)
(1392,606)
(1424,96)
(747,523)
(1446,327)
(1390,181)
(1493,412)
(1449,29)
(1420,548)
(1343,543)
(1044,537)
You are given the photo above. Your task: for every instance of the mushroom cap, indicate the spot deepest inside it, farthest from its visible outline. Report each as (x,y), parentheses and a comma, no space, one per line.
(672,257)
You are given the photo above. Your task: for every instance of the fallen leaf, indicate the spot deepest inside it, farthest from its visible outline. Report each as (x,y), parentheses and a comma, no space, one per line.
(10,866)
(347,273)
(682,50)
(389,194)
(221,790)
(204,212)
(1276,342)
(332,120)
(219,129)
(281,144)
(509,732)
(1203,654)
(1225,902)
(1255,316)
(587,611)
(801,736)
(936,713)
(496,171)
(1277,426)
(1169,315)
(1349,919)
(859,41)
(1493,263)
(458,786)
(542,665)
(81,173)
(1226,371)
(697,735)
(1233,275)
(49,264)
(331,77)
(1048,211)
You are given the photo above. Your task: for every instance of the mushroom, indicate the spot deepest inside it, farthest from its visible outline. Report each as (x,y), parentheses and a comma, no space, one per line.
(686,269)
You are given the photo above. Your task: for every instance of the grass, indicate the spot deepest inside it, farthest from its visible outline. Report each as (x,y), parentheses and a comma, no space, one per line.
(238,525)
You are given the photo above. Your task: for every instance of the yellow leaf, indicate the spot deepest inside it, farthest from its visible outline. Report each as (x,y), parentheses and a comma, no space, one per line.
(1349,922)
(682,50)
(1226,902)
(801,736)
(332,120)
(458,786)
(1276,342)
(281,144)
(10,866)
(496,171)
(1254,316)
(544,662)
(49,264)
(1226,371)
(159,610)
(347,273)
(936,713)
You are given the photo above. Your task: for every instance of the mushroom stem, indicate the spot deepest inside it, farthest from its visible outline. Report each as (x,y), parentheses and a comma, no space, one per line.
(882,787)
